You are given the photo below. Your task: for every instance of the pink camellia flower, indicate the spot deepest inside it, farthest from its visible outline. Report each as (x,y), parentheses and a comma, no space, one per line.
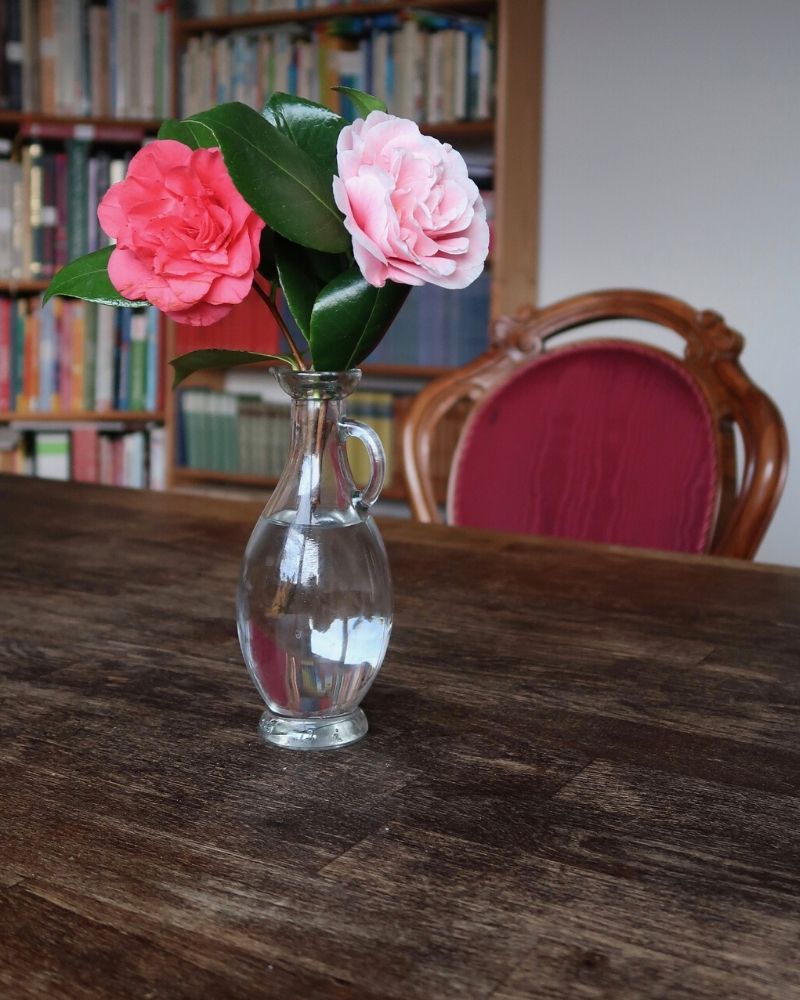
(413,212)
(187,241)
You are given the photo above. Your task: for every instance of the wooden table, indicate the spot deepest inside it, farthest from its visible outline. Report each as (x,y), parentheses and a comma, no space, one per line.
(581,779)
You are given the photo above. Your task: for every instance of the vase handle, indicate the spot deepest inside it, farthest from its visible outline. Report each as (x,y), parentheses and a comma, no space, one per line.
(367,436)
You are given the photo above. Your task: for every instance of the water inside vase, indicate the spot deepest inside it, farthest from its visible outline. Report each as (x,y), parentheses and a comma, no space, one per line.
(314,611)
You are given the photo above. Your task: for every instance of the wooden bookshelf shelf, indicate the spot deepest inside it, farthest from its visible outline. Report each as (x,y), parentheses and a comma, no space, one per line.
(190,26)
(17,118)
(24,286)
(482,129)
(84,416)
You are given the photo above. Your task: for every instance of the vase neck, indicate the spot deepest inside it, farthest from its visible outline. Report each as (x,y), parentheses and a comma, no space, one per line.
(316,485)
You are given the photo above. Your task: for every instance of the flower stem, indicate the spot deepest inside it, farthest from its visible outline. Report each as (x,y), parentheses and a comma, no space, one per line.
(273,308)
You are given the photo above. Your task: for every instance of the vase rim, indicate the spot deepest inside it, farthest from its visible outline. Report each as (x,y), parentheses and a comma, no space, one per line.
(317,385)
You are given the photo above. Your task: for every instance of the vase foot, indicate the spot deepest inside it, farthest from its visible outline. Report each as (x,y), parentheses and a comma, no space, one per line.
(313,734)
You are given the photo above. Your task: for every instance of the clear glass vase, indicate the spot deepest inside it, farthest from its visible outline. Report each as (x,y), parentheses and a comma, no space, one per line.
(314,604)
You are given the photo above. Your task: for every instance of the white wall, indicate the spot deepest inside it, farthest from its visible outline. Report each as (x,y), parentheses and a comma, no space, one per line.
(672,162)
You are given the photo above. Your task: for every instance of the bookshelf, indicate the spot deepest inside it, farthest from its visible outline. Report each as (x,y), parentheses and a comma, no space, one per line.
(79,92)
(510,132)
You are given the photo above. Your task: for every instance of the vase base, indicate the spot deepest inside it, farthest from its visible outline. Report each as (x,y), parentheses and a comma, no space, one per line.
(313,734)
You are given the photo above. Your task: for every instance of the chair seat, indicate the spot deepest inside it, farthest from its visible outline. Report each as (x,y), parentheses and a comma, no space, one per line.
(607,441)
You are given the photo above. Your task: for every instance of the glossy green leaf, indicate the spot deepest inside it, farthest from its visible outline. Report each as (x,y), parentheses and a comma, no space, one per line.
(298,282)
(280,181)
(196,361)
(87,278)
(182,132)
(349,318)
(362,102)
(266,252)
(310,126)
(302,274)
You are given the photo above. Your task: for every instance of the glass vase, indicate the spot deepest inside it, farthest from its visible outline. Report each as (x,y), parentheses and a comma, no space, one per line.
(314,603)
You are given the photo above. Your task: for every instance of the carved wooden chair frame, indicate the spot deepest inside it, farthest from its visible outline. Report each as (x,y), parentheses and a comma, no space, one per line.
(711,355)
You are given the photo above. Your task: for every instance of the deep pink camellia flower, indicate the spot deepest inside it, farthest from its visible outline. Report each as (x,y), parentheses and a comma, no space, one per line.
(413,212)
(187,241)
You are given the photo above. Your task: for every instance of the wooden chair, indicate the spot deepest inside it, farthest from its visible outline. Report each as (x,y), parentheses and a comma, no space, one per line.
(606,440)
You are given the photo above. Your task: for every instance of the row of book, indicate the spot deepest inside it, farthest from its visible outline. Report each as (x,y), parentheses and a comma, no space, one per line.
(424,66)
(71,356)
(223,432)
(104,58)
(438,327)
(225,8)
(249,435)
(88,454)
(48,204)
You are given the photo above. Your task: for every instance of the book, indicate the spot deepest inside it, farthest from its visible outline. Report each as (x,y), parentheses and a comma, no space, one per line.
(133,458)
(85,454)
(157,462)
(6,339)
(52,455)
(78,194)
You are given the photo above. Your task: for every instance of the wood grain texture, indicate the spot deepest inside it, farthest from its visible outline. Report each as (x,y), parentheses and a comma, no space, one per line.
(581,778)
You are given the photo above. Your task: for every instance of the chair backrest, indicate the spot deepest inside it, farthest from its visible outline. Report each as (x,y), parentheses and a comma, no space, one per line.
(606,440)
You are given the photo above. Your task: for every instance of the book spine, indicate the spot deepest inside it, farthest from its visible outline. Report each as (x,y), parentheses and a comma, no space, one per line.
(98,60)
(50,91)
(52,455)
(78,355)
(13,54)
(153,360)
(35,160)
(137,373)
(20,310)
(6,223)
(47,358)
(157,459)
(90,357)
(5,355)
(104,370)
(31,97)
(124,360)
(85,464)
(78,197)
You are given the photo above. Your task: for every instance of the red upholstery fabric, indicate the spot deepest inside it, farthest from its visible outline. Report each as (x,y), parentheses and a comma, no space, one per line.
(605,441)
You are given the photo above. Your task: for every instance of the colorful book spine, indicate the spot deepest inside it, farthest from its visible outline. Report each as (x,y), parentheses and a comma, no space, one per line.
(5,355)
(72,356)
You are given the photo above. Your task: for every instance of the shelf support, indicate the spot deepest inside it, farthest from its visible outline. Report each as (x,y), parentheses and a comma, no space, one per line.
(515,255)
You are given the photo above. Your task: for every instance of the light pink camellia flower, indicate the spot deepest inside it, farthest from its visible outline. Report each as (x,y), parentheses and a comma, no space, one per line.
(187,241)
(413,212)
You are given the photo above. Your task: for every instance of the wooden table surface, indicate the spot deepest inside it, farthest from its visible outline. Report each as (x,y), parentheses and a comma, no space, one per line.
(581,778)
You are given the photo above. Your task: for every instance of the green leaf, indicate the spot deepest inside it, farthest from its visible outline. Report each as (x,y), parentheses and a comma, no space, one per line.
(266,255)
(302,274)
(349,318)
(280,181)
(180,131)
(363,103)
(87,278)
(310,126)
(196,361)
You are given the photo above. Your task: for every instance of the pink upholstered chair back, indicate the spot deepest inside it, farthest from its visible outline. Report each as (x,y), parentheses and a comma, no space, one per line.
(580,446)
(606,440)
